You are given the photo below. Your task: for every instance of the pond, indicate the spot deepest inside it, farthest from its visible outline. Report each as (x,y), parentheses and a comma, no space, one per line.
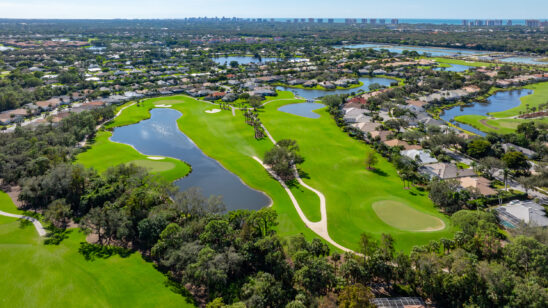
(160,136)
(458,68)
(303,109)
(242,60)
(311,94)
(499,101)
(524,60)
(434,51)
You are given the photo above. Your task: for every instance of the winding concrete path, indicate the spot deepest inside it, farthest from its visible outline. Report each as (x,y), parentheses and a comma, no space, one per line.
(39,228)
(319,227)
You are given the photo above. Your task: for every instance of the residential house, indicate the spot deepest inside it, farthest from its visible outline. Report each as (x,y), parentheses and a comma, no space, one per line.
(512,147)
(481,184)
(445,171)
(423,157)
(517,212)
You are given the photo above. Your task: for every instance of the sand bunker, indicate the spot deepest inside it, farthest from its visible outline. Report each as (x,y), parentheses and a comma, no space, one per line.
(213,111)
(156,157)
(163,106)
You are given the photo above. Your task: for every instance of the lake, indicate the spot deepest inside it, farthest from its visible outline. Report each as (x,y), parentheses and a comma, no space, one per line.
(302,109)
(499,101)
(458,68)
(434,51)
(524,60)
(311,94)
(160,136)
(242,60)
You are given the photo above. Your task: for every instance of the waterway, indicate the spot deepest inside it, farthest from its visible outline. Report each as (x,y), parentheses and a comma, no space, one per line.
(303,109)
(458,68)
(242,60)
(433,51)
(160,136)
(499,101)
(311,94)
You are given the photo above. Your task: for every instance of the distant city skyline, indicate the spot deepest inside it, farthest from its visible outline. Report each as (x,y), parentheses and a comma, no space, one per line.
(140,9)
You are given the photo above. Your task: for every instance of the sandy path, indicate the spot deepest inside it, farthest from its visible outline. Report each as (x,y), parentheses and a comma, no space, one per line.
(39,228)
(319,227)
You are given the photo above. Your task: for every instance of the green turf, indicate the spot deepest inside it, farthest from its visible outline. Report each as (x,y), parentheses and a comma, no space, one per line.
(460,62)
(539,96)
(334,165)
(38,275)
(401,216)
(104,153)
(499,126)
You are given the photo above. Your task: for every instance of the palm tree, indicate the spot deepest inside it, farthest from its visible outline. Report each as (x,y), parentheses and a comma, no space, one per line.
(505,173)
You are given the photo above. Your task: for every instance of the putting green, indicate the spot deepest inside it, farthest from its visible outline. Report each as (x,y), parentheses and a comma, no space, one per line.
(404,217)
(154,166)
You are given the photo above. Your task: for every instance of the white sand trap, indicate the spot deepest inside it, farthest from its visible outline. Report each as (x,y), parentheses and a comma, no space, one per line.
(213,111)
(163,106)
(156,157)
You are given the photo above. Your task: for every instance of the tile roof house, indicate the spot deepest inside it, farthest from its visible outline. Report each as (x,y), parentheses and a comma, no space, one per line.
(479,183)
(353,115)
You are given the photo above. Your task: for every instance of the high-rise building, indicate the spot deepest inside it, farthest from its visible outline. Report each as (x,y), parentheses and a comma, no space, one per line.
(364,20)
(311,20)
(465,22)
(303,19)
(532,23)
(296,20)
(373,21)
(509,22)
(478,22)
(394,21)
(320,20)
(330,21)
(382,21)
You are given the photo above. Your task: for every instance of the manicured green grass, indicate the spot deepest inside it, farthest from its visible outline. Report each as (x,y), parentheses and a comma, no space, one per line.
(539,96)
(404,217)
(499,126)
(461,62)
(335,165)
(230,141)
(104,153)
(39,275)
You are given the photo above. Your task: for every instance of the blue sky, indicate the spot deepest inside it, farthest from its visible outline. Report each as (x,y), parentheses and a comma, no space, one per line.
(455,9)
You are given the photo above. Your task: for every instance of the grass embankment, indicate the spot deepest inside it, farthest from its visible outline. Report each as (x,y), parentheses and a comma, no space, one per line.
(501,123)
(318,87)
(39,275)
(104,153)
(335,166)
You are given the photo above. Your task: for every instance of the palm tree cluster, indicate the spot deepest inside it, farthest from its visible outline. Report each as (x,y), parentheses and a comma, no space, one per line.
(252,118)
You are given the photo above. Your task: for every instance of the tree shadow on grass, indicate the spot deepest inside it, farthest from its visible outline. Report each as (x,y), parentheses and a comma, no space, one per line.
(56,235)
(177,288)
(378,172)
(92,251)
(303,174)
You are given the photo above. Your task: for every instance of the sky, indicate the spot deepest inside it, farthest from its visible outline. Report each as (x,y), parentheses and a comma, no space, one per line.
(440,9)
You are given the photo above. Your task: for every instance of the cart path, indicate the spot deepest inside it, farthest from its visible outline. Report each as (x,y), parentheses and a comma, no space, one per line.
(319,227)
(39,228)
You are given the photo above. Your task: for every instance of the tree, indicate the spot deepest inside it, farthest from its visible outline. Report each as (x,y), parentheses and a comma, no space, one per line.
(478,147)
(233,64)
(515,160)
(356,296)
(283,157)
(371,160)
(447,195)
(528,129)
(264,291)
(264,220)
(58,213)
(491,164)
